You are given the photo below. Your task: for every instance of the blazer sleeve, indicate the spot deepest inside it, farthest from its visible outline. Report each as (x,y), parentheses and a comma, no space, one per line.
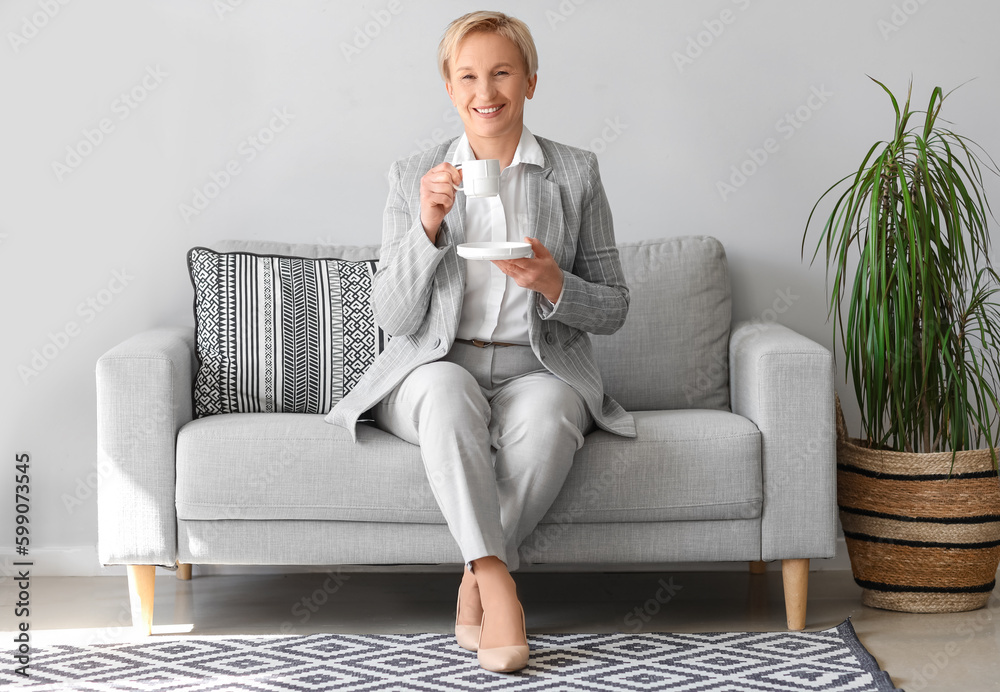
(401,288)
(594,297)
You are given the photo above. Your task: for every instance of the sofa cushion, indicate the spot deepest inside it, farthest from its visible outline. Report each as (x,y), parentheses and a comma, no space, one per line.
(684,465)
(279,333)
(672,352)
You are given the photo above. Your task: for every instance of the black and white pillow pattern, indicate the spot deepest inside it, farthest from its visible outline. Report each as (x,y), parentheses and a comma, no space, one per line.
(280,334)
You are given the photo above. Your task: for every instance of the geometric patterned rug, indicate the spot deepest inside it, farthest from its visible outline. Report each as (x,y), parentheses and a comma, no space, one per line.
(831,660)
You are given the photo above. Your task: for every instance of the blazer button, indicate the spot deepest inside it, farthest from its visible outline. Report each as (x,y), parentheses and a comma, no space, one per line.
(549,339)
(437,342)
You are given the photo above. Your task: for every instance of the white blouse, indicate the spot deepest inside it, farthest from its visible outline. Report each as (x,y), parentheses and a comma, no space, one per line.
(495,308)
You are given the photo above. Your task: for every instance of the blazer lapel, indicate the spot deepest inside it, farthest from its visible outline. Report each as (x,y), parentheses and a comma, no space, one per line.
(545,214)
(545,223)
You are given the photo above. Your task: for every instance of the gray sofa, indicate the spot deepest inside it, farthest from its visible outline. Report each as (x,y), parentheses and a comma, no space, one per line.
(734,459)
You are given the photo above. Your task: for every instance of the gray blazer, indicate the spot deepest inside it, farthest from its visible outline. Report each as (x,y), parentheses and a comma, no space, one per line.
(418,289)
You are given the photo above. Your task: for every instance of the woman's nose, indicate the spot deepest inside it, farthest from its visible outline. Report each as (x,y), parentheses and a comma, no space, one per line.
(486,88)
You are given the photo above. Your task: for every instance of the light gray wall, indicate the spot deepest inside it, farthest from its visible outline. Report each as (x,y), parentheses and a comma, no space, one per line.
(111,230)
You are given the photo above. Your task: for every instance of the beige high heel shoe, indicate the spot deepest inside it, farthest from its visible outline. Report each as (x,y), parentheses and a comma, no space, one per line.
(467,636)
(504,659)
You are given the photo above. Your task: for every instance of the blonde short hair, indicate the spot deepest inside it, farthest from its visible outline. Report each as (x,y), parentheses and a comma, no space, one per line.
(511,28)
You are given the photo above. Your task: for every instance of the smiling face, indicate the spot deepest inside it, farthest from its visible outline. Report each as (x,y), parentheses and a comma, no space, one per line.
(488,85)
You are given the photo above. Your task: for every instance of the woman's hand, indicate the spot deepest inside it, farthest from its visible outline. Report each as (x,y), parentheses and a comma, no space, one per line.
(539,273)
(437,195)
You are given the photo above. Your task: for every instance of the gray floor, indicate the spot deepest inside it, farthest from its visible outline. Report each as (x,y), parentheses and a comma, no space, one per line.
(922,652)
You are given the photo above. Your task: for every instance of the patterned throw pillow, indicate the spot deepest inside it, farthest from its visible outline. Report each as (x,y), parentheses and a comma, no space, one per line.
(280,334)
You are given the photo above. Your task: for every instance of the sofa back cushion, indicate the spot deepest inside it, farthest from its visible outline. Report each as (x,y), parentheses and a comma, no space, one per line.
(672,352)
(354,253)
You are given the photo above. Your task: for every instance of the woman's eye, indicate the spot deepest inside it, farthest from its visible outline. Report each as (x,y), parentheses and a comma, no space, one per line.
(468,76)
(502,73)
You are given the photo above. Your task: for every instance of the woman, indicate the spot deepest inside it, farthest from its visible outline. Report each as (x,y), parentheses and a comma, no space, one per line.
(493,355)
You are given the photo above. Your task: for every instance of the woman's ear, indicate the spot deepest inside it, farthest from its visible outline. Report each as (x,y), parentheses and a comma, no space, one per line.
(532,81)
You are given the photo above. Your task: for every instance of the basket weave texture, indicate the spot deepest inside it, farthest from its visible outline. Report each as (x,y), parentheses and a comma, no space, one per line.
(923,535)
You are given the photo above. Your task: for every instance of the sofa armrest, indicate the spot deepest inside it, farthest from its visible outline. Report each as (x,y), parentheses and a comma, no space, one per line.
(144,396)
(784,383)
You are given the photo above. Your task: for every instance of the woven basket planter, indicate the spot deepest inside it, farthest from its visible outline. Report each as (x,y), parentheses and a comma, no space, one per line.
(923,537)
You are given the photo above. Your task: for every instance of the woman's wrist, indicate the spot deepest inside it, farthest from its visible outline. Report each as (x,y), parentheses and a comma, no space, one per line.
(431,234)
(553,292)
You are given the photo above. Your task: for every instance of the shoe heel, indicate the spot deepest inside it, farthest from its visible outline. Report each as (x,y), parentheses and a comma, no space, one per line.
(467,636)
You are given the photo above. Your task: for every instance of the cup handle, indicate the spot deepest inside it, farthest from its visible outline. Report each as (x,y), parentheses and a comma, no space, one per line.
(457,188)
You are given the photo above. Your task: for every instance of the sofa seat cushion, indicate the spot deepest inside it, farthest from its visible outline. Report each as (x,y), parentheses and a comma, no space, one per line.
(684,465)
(297,466)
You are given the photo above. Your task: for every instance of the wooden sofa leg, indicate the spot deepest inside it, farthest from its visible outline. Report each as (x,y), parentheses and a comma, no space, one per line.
(795,577)
(758,567)
(141,588)
(183,571)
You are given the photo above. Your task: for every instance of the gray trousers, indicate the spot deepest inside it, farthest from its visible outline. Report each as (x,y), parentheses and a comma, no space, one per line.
(475,400)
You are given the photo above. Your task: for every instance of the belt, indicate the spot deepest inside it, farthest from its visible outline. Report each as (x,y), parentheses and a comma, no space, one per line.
(483,344)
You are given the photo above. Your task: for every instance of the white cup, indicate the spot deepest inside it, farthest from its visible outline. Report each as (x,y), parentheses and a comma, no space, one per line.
(481,178)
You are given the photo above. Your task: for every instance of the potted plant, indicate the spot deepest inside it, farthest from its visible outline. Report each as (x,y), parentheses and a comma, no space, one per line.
(918,491)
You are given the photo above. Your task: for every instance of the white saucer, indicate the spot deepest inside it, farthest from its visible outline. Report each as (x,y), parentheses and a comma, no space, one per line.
(494,251)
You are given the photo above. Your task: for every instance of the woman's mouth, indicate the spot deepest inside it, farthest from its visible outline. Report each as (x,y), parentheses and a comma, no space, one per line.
(488,112)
